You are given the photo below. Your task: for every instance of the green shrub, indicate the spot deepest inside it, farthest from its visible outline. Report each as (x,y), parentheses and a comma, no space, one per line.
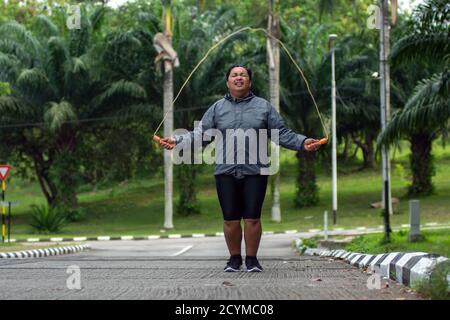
(47,220)
(72,215)
(310,242)
(437,285)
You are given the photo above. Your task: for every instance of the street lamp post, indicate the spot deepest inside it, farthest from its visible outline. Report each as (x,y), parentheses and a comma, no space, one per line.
(332,39)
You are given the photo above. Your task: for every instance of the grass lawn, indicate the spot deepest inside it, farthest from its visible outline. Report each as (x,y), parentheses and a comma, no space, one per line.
(432,241)
(137,207)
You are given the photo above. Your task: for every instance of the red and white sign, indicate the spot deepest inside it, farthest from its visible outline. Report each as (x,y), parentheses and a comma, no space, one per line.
(4,170)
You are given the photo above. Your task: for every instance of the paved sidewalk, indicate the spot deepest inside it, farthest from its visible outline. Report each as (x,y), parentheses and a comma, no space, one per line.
(188,269)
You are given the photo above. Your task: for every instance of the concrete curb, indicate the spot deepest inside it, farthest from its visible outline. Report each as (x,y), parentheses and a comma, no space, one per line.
(359,230)
(151,237)
(43,252)
(408,268)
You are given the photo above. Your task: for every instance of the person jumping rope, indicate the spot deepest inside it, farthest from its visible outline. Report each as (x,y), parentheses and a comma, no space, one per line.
(241,188)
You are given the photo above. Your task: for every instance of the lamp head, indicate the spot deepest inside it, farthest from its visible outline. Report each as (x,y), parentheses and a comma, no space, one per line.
(331,39)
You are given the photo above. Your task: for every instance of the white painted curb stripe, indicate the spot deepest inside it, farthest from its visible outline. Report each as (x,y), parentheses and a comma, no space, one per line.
(42,252)
(365,261)
(198,235)
(385,264)
(402,262)
(355,258)
(126,238)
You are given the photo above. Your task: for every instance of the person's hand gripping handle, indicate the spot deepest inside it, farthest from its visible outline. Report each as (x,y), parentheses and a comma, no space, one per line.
(166,143)
(314,144)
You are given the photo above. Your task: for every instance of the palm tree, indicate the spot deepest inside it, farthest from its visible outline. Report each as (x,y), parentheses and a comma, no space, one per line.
(426,112)
(55,87)
(298,105)
(193,39)
(358,110)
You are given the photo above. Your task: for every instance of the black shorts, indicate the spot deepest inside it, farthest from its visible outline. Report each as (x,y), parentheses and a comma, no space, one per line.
(241,197)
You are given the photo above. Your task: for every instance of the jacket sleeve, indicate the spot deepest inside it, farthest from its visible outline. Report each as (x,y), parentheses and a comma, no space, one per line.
(287,138)
(207,122)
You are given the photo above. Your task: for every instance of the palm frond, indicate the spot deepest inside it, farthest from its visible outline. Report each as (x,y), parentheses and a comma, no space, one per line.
(141,111)
(325,6)
(96,18)
(118,94)
(8,68)
(58,113)
(57,58)
(431,14)
(15,29)
(46,26)
(428,107)
(11,47)
(34,85)
(13,108)
(418,46)
(430,90)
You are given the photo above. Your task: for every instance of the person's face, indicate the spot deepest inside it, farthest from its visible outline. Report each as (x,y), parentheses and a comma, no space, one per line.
(238,81)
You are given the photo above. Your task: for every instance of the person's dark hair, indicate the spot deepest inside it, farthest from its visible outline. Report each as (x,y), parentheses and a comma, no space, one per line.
(249,71)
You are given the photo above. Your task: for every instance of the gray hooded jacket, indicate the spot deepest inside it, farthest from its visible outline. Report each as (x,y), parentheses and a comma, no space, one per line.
(251,112)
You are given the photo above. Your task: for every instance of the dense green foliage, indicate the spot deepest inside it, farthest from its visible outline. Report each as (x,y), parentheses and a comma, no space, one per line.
(78,106)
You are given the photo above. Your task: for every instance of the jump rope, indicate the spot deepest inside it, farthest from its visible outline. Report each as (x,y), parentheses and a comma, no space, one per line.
(322,141)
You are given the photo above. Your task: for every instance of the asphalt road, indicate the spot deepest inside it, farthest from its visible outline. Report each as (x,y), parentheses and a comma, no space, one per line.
(186,268)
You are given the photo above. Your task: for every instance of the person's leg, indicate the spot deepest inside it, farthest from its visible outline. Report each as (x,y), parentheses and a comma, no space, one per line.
(233,236)
(255,191)
(230,198)
(252,234)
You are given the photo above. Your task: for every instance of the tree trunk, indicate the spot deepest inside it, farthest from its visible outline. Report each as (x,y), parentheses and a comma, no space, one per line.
(421,162)
(168,124)
(187,203)
(42,168)
(273,57)
(187,178)
(344,154)
(307,193)
(385,103)
(64,171)
(47,186)
(368,151)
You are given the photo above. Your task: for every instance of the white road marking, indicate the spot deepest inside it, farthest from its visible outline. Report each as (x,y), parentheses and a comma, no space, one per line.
(182,251)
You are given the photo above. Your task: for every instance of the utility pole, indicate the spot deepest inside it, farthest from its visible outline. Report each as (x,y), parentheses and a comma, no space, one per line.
(273,60)
(168,123)
(385,111)
(332,38)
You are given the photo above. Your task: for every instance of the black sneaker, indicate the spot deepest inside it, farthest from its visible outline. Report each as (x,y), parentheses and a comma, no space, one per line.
(252,264)
(233,264)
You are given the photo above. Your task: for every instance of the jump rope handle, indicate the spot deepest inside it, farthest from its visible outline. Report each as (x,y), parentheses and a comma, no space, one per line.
(162,143)
(322,141)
